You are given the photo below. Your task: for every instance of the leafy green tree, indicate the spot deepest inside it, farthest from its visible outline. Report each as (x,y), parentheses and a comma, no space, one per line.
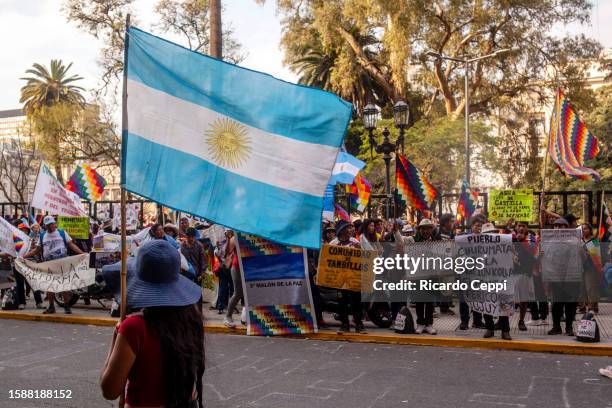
(105,20)
(504,90)
(46,87)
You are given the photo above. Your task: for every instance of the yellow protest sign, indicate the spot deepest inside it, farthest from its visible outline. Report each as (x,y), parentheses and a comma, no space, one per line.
(345,268)
(511,204)
(76,227)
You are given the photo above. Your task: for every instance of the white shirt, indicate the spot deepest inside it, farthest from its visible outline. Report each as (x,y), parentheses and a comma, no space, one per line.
(53,246)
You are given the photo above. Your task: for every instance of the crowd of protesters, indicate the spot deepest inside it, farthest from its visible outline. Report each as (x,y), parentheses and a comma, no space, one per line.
(530,291)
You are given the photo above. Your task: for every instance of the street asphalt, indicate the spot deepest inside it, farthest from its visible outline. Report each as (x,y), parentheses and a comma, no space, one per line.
(274,372)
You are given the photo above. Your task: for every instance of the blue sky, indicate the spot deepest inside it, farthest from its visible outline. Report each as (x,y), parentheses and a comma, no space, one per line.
(36,31)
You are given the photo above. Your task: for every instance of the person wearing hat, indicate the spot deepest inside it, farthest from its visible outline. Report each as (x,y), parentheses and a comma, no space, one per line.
(54,244)
(193,251)
(329,233)
(475,224)
(171,230)
(445,232)
(561,291)
(503,322)
(425,310)
(349,298)
(20,281)
(157,355)
(156,231)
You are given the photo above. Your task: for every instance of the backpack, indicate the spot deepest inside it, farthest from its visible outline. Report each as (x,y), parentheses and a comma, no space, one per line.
(42,235)
(588,329)
(9,299)
(404,323)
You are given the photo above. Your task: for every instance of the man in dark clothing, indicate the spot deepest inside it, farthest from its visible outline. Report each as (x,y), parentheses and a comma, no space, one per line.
(425,310)
(193,251)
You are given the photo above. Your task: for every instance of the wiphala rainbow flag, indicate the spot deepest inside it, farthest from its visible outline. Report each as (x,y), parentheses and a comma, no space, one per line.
(274,320)
(86,183)
(570,144)
(412,186)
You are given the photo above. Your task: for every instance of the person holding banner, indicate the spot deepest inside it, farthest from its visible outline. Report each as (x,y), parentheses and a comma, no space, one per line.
(593,270)
(54,244)
(464,310)
(350,299)
(425,310)
(20,281)
(560,293)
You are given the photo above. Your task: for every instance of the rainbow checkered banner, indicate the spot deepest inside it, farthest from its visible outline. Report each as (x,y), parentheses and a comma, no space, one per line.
(412,186)
(86,183)
(359,193)
(467,201)
(276,287)
(570,144)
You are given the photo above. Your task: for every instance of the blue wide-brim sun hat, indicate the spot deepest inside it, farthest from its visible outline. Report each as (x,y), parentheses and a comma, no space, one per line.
(112,276)
(158,281)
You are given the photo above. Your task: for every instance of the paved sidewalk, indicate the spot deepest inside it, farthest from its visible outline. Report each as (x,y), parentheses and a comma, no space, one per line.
(535,339)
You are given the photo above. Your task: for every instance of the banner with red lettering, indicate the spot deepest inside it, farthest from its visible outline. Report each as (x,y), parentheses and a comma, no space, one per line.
(50,195)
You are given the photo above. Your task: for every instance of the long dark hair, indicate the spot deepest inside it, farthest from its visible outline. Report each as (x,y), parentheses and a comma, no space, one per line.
(181,333)
(372,237)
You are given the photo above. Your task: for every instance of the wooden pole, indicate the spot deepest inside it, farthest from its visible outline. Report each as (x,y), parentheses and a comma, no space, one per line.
(542,191)
(124,127)
(601,208)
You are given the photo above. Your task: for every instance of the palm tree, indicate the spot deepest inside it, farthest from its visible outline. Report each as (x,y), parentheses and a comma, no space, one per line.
(316,65)
(49,87)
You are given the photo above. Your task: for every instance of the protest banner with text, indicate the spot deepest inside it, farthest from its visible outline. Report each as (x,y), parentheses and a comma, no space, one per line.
(76,227)
(12,241)
(346,268)
(497,252)
(276,287)
(562,255)
(50,195)
(59,275)
(516,204)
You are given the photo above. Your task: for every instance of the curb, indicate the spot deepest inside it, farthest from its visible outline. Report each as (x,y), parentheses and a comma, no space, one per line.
(391,338)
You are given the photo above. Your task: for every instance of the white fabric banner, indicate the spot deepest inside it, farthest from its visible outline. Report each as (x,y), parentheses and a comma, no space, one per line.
(59,275)
(12,240)
(50,195)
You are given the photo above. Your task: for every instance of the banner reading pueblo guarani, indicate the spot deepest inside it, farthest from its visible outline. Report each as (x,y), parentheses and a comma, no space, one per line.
(276,287)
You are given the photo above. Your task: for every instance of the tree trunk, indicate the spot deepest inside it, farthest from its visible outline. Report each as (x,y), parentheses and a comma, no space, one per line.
(58,172)
(216,34)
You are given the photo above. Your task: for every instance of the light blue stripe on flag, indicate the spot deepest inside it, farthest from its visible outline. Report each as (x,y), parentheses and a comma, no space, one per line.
(346,168)
(250,97)
(237,147)
(328,203)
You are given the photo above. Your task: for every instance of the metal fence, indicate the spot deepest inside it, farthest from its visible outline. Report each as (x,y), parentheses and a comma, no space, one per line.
(585,204)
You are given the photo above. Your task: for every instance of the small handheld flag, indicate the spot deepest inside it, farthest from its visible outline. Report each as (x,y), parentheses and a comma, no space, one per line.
(86,183)
(346,168)
(342,213)
(467,201)
(359,193)
(570,144)
(412,186)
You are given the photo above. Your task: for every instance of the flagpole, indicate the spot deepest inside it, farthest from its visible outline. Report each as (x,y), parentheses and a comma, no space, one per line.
(601,208)
(546,153)
(124,128)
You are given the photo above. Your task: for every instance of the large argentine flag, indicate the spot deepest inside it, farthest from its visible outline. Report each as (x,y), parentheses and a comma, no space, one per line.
(235,146)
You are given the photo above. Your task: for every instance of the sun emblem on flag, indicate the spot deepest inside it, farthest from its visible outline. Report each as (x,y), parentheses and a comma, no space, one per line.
(228,142)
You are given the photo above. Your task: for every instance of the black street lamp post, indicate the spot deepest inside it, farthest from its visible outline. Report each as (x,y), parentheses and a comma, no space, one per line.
(401,115)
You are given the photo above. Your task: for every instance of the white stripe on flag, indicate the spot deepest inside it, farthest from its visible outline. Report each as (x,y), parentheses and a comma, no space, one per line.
(275,160)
